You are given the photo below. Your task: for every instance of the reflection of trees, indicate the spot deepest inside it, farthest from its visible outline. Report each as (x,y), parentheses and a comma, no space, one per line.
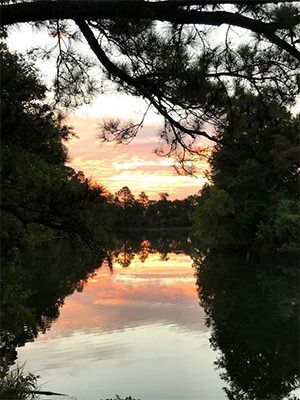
(124,257)
(34,291)
(146,249)
(36,283)
(253,312)
(142,244)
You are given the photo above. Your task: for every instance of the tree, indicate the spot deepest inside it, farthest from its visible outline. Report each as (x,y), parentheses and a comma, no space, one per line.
(124,197)
(143,199)
(252,196)
(163,196)
(39,194)
(179,68)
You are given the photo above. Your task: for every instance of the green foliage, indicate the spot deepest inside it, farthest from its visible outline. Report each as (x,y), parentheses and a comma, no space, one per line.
(256,170)
(39,193)
(18,385)
(41,199)
(283,225)
(142,213)
(214,219)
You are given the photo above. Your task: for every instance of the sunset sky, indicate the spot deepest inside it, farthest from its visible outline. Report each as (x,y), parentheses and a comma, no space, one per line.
(134,165)
(150,292)
(114,166)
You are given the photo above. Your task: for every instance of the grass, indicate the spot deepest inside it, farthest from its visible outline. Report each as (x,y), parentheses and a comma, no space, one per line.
(18,385)
(21,385)
(121,398)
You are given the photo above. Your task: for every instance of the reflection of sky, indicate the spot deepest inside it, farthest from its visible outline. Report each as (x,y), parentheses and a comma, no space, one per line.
(138,331)
(150,292)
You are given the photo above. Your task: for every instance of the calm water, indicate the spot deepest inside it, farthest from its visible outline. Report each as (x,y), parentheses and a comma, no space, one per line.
(131,323)
(138,331)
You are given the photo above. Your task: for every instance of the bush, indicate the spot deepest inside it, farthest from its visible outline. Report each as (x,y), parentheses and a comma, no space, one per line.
(18,385)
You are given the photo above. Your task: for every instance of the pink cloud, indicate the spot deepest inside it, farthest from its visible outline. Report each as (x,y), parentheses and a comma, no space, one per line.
(134,165)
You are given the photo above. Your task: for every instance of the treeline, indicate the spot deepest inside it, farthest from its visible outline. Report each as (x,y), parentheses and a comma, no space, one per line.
(128,212)
(252,202)
(41,196)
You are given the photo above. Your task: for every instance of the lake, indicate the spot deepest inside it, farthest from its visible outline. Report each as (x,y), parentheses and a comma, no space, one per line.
(132,325)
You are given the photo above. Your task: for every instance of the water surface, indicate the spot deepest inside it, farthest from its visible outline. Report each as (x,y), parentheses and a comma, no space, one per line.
(147,321)
(138,330)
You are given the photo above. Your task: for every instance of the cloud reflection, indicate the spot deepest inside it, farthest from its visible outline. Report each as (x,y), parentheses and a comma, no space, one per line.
(153,292)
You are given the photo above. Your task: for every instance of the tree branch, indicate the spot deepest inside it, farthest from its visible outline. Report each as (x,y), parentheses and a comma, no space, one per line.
(170,11)
(132,82)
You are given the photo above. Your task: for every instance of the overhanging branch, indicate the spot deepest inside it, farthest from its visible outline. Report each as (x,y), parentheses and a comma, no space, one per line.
(120,74)
(170,11)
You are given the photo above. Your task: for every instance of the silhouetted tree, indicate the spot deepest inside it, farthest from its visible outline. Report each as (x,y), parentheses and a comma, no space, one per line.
(163,196)
(252,197)
(151,214)
(143,199)
(124,197)
(39,194)
(178,68)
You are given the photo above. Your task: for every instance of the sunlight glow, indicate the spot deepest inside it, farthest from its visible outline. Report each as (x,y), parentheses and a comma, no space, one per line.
(134,165)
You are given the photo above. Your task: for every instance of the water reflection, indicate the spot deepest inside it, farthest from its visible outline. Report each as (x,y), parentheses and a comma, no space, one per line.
(154,292)
(136,328)
(133,314)
(34,289)
(252,309)
(149,243)
(33,294)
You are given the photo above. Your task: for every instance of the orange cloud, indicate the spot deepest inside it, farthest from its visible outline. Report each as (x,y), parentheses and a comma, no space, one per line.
(134,165)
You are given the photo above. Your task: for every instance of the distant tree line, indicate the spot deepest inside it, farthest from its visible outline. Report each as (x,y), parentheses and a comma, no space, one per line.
(251,196)
(128,212)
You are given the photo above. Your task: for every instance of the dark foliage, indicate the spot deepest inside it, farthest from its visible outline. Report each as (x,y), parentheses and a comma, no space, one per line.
(252,200)
(252,310)
(40,195)
(185,67)
(142,213)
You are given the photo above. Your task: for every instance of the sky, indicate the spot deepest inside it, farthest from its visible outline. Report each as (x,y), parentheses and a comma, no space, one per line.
(134,165)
